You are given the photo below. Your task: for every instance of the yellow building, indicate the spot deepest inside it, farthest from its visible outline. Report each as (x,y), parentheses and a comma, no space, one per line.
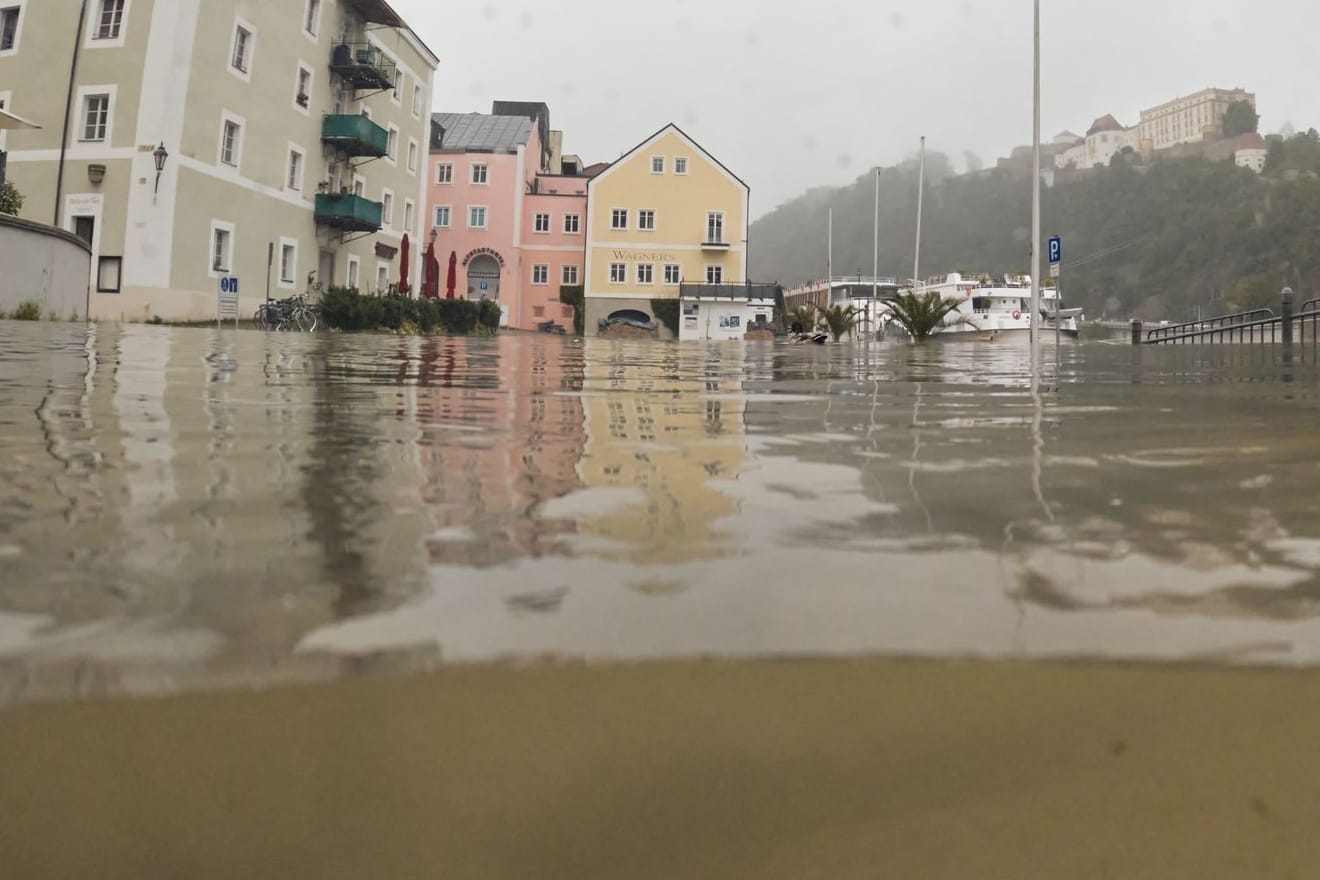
(666,213)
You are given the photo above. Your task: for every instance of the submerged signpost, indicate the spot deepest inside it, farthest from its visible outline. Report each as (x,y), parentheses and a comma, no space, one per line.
(1056,270)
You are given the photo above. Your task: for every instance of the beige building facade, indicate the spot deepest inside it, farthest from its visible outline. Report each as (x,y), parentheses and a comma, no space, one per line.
(1188,120)
(290,139)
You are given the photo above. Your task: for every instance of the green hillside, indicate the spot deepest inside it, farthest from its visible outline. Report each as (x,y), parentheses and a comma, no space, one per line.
(1153,240)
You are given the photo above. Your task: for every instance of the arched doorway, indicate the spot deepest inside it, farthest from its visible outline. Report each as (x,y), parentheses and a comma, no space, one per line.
(483,278)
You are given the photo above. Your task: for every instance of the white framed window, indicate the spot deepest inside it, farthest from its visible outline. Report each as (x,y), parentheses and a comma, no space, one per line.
(11,21)
(444,173)
(293,179)
(382,277)
(680,165)
(715,227)
(569,275)
(302,88)
(476,217)
(619,219)
(312,19)
(96,119)
(392,146)
(542,223)
(480,174)
(573,224)
(396,94)
(359,186)
(646,220)
(220,255)
(618,273)
(409,214)
(288,262)
(673,273)
(657,164)
(540,274)
(105,29)
(354,271)
(387,208)
(442,216)
(109,273)
(645,273)
(417,100)
(242,49)
(714,274)
(230,150)
(412,155)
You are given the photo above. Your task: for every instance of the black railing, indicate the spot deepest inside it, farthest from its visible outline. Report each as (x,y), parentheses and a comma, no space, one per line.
(1210,325)
(1258,326)
(731,291)
(363,66)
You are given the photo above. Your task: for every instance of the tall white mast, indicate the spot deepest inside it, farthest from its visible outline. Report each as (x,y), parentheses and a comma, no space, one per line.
(829,257)
(921,195)
(875,259)
(1035,185)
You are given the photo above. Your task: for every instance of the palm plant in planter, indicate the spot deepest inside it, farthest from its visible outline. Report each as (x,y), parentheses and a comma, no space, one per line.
(923,315)
(838,320)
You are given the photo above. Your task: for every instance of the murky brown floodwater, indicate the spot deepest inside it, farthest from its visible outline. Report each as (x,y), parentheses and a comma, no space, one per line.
(355,527)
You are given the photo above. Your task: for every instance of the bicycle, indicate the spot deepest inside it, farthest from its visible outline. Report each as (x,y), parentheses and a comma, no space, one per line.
(286,314)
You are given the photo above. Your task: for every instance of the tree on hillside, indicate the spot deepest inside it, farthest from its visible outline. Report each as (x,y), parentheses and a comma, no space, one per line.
(11,200)
(1240,118)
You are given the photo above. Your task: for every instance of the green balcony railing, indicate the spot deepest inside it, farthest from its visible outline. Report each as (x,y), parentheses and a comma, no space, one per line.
(355,134)
(348,212)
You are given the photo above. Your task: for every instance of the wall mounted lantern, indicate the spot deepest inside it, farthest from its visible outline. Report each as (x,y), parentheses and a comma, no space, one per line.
(160,155)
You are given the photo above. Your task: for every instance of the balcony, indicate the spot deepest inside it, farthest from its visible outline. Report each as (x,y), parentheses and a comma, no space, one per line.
(355,135)
(348,212)
(363,66)
(748,291)
(714,240)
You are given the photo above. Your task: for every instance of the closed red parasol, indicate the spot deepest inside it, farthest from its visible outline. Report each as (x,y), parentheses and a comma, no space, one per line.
(452,281)
(430,273)
(404,286)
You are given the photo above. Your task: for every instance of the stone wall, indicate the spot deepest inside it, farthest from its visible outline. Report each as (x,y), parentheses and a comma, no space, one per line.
(45,265)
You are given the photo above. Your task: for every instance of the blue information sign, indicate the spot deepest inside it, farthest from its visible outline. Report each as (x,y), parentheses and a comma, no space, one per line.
(228,284)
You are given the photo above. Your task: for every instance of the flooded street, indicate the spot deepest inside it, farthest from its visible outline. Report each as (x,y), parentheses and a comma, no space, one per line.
(422,604)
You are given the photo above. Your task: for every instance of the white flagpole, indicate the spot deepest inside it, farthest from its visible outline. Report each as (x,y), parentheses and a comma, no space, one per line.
(921,195)
(1035,186)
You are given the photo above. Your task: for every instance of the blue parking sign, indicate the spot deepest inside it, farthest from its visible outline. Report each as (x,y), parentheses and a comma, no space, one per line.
(485,285)
(1056,250)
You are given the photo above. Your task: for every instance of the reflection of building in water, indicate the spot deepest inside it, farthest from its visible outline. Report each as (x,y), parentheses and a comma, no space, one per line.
(666,422)
(501,433)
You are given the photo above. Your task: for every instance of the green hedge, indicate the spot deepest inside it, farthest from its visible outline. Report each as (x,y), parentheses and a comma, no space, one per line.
(344,308)
(666,312)
(575,296)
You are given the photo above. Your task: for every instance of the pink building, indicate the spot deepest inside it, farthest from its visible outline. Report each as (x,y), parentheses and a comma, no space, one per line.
(517,230)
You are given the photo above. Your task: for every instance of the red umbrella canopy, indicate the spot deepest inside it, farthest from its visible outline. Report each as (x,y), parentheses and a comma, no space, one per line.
(431,274)
(452,281)
(404,286)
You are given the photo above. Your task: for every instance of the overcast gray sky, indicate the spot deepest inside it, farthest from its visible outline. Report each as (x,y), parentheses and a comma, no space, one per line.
(793,94)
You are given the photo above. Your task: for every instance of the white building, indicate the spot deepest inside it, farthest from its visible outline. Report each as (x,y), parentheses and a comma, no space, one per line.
(279,142)
(1251,151)
(1188,120)
(1104,139)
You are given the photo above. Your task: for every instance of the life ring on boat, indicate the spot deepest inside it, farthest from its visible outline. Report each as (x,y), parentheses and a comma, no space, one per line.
(1017,315)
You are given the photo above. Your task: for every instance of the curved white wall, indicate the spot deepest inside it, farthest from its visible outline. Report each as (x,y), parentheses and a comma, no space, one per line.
(44,264)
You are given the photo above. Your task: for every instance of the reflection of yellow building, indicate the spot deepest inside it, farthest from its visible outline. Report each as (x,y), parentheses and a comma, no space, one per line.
(669,439)
(666,213)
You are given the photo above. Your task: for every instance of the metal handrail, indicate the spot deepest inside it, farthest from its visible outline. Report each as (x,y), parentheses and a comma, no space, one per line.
(1209,324)
(1240,330)
(1311,305)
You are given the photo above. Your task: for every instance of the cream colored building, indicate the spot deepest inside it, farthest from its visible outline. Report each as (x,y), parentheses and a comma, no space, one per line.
(665,214)
(292,139)
(1188,120)
(1104,139)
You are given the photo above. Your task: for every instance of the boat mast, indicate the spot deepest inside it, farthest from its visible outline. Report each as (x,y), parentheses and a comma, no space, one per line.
(1035,184)
(921,195)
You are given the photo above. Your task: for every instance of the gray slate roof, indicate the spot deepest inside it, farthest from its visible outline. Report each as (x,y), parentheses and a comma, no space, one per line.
(483,133)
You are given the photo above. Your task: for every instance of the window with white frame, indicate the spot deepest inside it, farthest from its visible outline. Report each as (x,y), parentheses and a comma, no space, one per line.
(715,227)
(412,156)
(354,271)
(417,100)
(382,278)
(408,215)
(540,274)
(645,273)
(387,208)
(569,275)
(619,218)
(295,177)
(646,220)
(657,164)
(680,165)
(476,217)
(359,186)
(240,59)
(442,216)
(542,223)
(312,20)
(392,145)
(302,90)
(288,262)
(96,117)
(714,274)
(222,247)
(618,273)
(444,173)
(673,273)
(573,224)
(398,84)
(480,174)
(231,142)
(9,21)
(109,21)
